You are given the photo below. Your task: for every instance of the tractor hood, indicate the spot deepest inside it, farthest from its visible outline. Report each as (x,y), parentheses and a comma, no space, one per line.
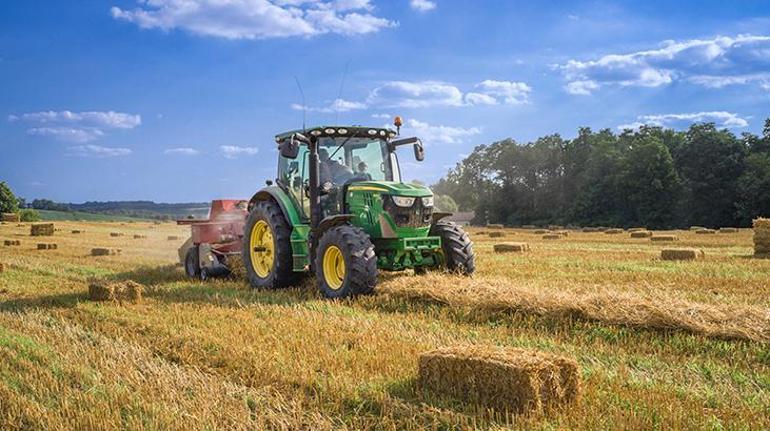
(392,188)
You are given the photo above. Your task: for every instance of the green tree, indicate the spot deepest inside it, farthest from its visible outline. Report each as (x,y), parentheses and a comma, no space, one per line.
(754,183)
(8,201)
(29,215)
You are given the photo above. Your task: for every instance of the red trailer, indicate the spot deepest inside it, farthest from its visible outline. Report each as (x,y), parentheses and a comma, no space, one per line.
(214,240)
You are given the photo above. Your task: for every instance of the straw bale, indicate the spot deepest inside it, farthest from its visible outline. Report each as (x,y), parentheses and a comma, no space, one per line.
(496,234)
(138,236)
(555,227)
(664,238)
(42,229)
(11,218)
(613,231)
(641,234)
(494,226)
(2,267)
(705,231)
(11,242)
(516,380)
(728,230)
(564,233)
(47,246)
(511,247)
(762,237)
(77,231)
(541,231)
(105,251)
(682,254)
(552,236)
(173,238)
(116,234)
(129,291)
(592,229)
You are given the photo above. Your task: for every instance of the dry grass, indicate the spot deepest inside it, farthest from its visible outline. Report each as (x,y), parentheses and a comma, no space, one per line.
(514,380)
(659,344)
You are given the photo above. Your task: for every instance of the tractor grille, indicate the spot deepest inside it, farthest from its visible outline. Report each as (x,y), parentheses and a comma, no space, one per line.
(369,202)
(415,216)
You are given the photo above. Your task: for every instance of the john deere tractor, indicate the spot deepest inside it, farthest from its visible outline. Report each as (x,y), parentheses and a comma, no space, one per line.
(339,209)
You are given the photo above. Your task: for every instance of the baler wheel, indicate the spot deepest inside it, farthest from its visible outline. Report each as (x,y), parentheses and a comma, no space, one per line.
(191,264)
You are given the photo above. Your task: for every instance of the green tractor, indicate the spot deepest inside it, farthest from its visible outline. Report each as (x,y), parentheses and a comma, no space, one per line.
(339,208)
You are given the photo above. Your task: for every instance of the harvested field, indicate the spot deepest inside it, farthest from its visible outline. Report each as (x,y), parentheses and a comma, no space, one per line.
(511,247)
(641,234)
(682,254)
(512,380)
(664,238)
(42,229)
(658,344)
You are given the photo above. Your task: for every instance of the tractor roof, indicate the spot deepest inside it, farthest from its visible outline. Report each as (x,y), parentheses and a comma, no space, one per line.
(340,131)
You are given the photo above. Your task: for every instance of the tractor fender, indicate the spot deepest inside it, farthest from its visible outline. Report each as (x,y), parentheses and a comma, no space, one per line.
(438,216)
(276,194)
(331,221)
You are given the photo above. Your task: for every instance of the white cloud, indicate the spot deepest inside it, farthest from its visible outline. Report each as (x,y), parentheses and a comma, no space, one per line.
(421,94)
(720,118)
(67,134)
(76,126)
(422,5)
(711,62)
(437,134)
(479,99)
(232,152)
(256,19)
(507,92)
(339,105)
(97,151)
(581,88)
(184,151)
(382,116)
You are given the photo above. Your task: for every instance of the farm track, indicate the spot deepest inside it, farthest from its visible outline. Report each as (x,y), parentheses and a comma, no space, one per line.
(218,355)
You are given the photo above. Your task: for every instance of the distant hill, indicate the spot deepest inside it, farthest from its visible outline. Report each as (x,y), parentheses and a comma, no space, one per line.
(122,209)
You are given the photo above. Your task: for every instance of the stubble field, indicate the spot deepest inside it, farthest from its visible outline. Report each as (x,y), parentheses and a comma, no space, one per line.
(660,344)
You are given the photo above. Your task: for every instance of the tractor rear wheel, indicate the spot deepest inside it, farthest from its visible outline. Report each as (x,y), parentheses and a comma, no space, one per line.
(345,262)
(267,247)
(191,264)
(456,247)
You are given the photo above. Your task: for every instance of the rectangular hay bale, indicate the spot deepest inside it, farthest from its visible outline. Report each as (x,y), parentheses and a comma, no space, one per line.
(494,226)
(613,231)
(515,380)
(42,229)
(105,251)
(11,242)
(641,234)
(728,230)
(116,234)
(541,231)
(682,254)
(47,246)
(11,217)
(762,237)
(173,238)
(138,236)
(664,238)
(496,234)
(552,236)
(511,247)
(128,290)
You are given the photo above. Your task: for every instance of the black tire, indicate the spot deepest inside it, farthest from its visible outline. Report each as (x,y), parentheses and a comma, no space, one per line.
(281,273)
(456,246)
(205,274)
(191,263)
(360,261)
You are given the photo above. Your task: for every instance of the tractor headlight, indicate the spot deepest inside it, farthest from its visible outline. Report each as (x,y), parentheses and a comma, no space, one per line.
(403,201)
(427,201)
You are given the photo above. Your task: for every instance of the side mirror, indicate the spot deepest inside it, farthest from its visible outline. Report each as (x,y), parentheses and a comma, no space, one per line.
(290,148)
(419,151)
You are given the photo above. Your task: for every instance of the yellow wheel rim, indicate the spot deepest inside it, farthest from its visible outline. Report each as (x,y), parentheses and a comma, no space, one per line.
(334,267)
(261,249)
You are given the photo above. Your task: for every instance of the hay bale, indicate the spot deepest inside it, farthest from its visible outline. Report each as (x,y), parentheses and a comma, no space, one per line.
(42,229)
(105,251)
(564,233)
(664,238)
(47,246)
(641,234)
(129,291)
(592,229)
(705,231)
(682,254)
(173,238)
(75,232)
(613,231)
(11,218)
(137,236)
(11,242)
(496,234)
(555,227)
(494,226)
(541,231)
(116,234)
(552,236)
(515,380)
(728,230)
(762,237)
(2,267)
(511,247)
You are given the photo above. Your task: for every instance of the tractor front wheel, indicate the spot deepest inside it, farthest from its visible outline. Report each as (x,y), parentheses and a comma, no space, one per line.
(456,247)
(267,247)
(345,262)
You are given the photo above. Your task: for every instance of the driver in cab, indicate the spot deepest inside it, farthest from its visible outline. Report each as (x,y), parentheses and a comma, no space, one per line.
(331,170)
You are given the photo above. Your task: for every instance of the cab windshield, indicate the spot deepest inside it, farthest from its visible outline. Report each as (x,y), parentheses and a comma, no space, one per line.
(360,159)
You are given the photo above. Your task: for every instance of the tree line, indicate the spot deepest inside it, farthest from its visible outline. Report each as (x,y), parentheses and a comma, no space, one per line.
(653,177)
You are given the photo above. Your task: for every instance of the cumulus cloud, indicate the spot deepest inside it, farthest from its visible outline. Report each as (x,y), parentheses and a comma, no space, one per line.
(711,62)
(183,151)
(97,151)
(438,134)
(422,5)
(424,94)
(76,126)
(720,118)
(339,105)
(256,19)
(232,151)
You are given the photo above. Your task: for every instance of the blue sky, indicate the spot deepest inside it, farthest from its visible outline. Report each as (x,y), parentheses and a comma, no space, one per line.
(178,100)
